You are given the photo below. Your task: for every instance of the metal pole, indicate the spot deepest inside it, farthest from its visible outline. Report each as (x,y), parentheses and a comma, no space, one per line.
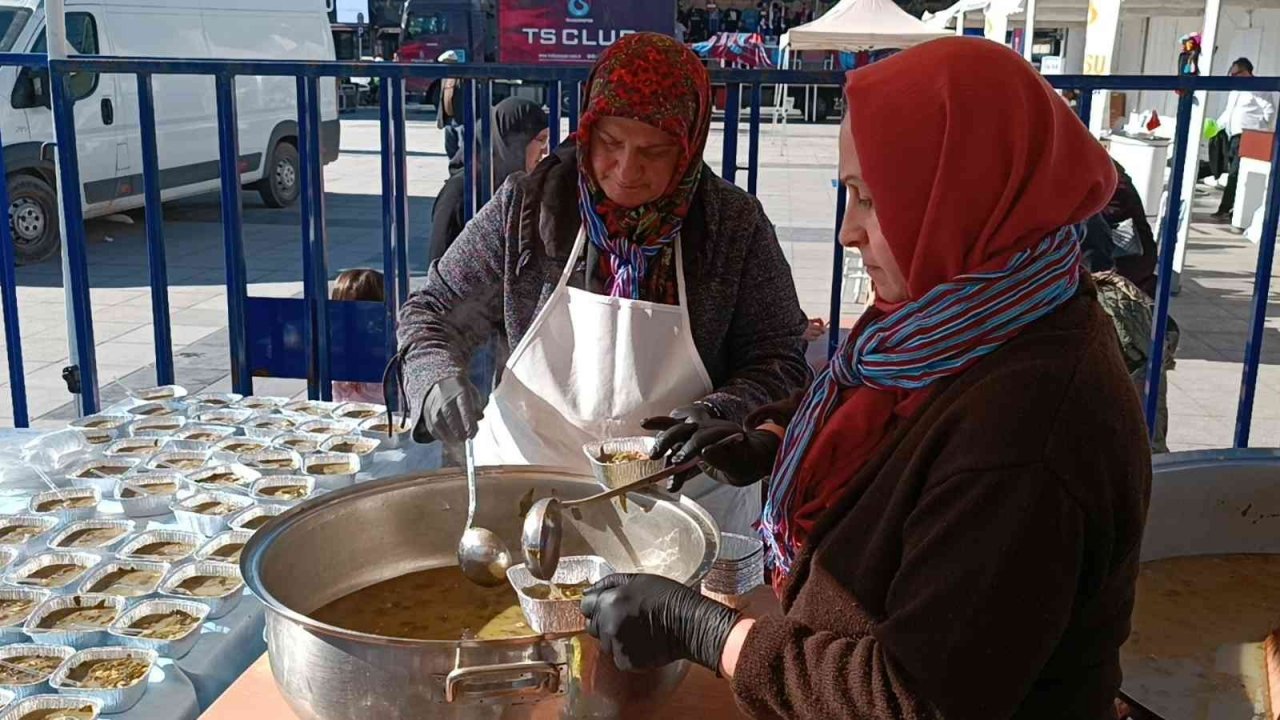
(575,105)
(401,168)
(732,106)
(75,269)
(1261,293)
(1029,33)
(155,231)
(1169,231)
(232,233)
(753,140)
(389,272)
(484,116)
(1085,106)
(554,119)
(12,329)
(837,274)
(469,189)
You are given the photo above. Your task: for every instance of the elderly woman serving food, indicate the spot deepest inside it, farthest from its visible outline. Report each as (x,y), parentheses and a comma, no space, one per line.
(625,280)
(955,506)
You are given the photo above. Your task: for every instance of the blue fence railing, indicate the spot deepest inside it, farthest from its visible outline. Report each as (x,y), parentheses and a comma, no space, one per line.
(366,334)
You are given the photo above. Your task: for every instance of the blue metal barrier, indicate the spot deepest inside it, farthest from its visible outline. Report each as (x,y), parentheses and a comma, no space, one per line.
(565,85)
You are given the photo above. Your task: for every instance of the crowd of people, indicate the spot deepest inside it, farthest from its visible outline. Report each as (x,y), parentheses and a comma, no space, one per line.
(940,545)
(702,19)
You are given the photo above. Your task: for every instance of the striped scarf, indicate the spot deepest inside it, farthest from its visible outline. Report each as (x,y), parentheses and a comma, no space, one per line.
(941,334)
(628,260)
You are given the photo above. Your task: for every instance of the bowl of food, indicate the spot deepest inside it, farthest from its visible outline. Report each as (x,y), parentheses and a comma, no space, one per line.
(67,505)
(553,608)
(160,393)
(253,518)
(165,546)
(267,426)
(101,474)
(157,427)
(115,676)
(207,513)
(98,426)
(80,621)
(168,627)
(620,461)
(215,584)
(225,547)
(180,460)
(128,579)
(25,534)
(54,707)
(356,412)
(332,470)
(28,667)
(273,461)
(301,443)
(233,477)
(395,434)
(283,489)
(16,605)
(53,571)
(204,432)
(133,447)
(91,535)
(149,494)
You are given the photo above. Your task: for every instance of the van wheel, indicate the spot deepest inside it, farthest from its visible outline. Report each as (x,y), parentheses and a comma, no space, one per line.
(280,185)
(33,219)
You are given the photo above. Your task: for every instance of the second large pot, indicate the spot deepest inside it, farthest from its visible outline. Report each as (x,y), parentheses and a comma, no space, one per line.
(348,540)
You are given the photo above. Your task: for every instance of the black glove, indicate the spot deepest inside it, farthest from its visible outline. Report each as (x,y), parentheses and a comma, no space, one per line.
(451,410)
(729,453)
(647,621)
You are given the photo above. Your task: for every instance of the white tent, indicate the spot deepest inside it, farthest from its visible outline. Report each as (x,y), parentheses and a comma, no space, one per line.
(855,25)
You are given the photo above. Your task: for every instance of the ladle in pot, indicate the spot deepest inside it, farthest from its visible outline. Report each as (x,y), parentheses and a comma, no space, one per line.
(541,534)
(482,556)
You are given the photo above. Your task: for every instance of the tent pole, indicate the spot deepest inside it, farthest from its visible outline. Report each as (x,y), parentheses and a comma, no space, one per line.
(1029,34)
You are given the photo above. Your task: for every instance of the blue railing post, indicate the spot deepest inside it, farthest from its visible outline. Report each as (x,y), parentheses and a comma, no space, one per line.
(470,191)
(732,107)
(307,212)
(553,105)
(1261,294)
(160,319)
(73,215)
(837,273)
(232,233)
(401,167)
(1169,231)
(575,105)
(315,266)
(484,104)
(390,274)
(1085,106)
(12,327)
(753,140)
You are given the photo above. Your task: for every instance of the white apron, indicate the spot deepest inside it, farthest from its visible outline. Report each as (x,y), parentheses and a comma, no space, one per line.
(592,367)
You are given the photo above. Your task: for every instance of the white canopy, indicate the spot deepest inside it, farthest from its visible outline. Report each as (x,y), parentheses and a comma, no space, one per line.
(855,25)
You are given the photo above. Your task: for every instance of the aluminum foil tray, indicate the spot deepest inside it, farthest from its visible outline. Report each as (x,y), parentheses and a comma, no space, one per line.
(264,462)
(87,560)
(355,444)
(132,545)
(82,475)
(157,427)
(401,436)
(301,443)
(67,514)
(75,637)
(144,506)
(207,525)
(612,475)
(160,393)
(332,481)
(184,461)
(260,403)
(23,707)
(113,700)
(218,606)
(24,690)
(246,478)
(204,432)
(177,647)
(58,541)
(239,522)
(271,424)
(553,617)
(12,632)
(46,521)
(100,572)
(231,537)
(260,489)
(357,412)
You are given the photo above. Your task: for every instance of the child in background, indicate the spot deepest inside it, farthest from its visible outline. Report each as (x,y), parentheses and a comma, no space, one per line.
(362,284)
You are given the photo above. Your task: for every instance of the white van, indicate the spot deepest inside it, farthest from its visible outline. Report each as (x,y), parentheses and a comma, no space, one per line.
(107,128)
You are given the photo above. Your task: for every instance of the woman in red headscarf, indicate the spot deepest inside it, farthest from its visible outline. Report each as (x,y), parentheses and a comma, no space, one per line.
(956,505)
(624,279)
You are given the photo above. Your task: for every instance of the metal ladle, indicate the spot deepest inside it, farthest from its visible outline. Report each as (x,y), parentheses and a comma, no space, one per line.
(541,535)
(482,555)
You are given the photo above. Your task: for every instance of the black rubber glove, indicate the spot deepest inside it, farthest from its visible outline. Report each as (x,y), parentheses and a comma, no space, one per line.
(452,410)
(646,621)
(729,453)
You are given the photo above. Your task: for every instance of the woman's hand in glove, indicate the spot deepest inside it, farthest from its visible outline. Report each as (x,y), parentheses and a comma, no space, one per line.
(646,621)
(451,412)
(728,453)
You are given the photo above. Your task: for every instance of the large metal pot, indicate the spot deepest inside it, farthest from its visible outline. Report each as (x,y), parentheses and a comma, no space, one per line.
(345,541)
(1205,503)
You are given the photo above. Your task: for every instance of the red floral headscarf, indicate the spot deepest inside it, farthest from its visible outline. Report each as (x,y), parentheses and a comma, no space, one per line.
(657,81)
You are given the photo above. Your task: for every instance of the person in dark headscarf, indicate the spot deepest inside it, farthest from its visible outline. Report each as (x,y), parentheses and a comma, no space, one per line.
(520,137)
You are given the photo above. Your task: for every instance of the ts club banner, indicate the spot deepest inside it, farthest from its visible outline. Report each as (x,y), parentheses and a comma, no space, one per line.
(574,32)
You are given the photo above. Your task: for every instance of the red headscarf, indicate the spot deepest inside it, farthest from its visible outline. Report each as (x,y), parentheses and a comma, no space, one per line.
(969,157)
(655,80)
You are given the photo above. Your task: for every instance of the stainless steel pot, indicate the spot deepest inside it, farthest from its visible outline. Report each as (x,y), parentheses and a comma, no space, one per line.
(1206,503)
(347,540)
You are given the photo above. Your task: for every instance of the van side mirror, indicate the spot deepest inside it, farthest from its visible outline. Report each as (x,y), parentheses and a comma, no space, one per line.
(31,89)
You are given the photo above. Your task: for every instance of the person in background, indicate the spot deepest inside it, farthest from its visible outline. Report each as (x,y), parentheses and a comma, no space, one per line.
(1125,214)
(627,282)
(1245,110)
(520,136)
(447,111)
(714,18)
(365,285)
(956,506)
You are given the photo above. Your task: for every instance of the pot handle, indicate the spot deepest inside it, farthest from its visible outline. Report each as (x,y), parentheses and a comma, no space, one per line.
(529,678)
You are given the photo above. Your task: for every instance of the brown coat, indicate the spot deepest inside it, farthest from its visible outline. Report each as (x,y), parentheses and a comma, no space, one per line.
(983,564)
